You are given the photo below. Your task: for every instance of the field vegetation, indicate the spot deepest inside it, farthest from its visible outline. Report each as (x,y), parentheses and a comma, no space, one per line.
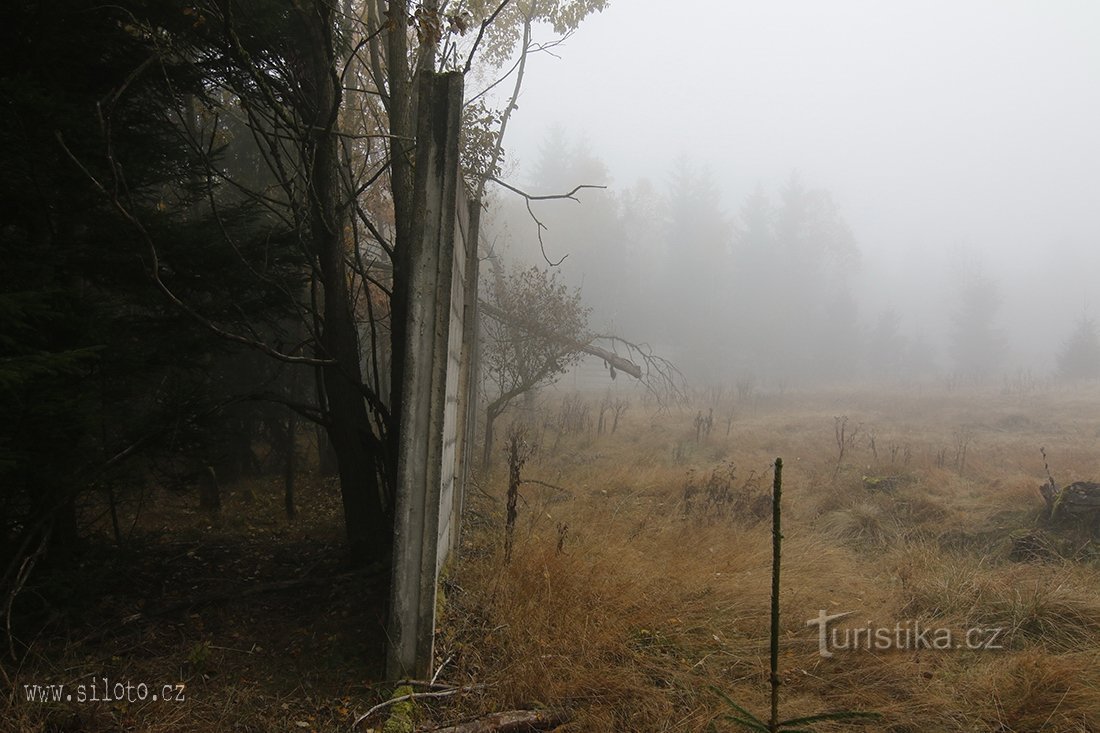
(642,583)
(637,587)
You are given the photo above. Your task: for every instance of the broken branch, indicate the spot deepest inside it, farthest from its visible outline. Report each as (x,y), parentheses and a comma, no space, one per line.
(613,359)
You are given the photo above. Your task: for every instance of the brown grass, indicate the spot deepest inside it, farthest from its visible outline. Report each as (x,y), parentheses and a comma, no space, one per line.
(648,606)
(655,597)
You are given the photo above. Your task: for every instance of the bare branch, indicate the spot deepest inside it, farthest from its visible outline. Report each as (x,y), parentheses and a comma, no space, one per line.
(539,226)
(536,482)
(413,696)
(534,48)
(154,271)
(571,195)
(545,47)
(613,360)
(481,33)
(366,40)
(491,87)
(498,148)
(660,376)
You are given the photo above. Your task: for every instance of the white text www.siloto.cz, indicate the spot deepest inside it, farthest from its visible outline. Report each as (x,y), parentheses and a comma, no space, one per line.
(101,689)
(910,635)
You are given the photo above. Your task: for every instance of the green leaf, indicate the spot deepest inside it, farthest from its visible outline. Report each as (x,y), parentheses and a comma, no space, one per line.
(755,721)
(747,723)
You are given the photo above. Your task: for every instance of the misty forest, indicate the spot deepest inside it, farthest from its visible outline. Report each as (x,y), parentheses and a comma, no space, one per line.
(486,366)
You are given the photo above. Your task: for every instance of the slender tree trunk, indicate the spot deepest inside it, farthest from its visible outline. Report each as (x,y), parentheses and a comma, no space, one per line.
(210,495)
(366,506)
(291,466)
(112,504)
(491,414)
(515,465)
(326,458)
(400,107)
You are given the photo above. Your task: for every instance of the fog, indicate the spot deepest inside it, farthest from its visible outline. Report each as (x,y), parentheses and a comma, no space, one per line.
(956,142)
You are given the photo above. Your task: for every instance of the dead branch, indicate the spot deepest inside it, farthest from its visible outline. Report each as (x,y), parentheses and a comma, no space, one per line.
(539,226)
(571,195)
(481,33)
(614,360)
(500,80)
(536,482)
(413,696)
(20,579)
(512,721)
(659,375)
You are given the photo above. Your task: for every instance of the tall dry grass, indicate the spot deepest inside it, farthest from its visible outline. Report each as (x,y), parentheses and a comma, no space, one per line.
(628,599)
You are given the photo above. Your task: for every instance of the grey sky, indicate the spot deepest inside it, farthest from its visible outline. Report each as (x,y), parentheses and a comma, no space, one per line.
(936,124)
(924,118)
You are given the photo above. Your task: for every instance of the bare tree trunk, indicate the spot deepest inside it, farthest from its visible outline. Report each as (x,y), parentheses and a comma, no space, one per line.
(291,466)
(326,455)
(487,450)
(112,504)
(400,102)
(210,495)
(366,503)
(516,458)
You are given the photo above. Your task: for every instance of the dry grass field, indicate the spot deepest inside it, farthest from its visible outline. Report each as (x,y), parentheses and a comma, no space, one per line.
(641,583)
(638,585)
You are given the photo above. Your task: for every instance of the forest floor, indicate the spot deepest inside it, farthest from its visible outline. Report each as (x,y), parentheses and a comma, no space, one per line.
(637,590)
(243,622)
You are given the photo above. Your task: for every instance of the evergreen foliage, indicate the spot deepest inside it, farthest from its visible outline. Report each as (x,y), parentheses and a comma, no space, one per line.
(1080,354)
